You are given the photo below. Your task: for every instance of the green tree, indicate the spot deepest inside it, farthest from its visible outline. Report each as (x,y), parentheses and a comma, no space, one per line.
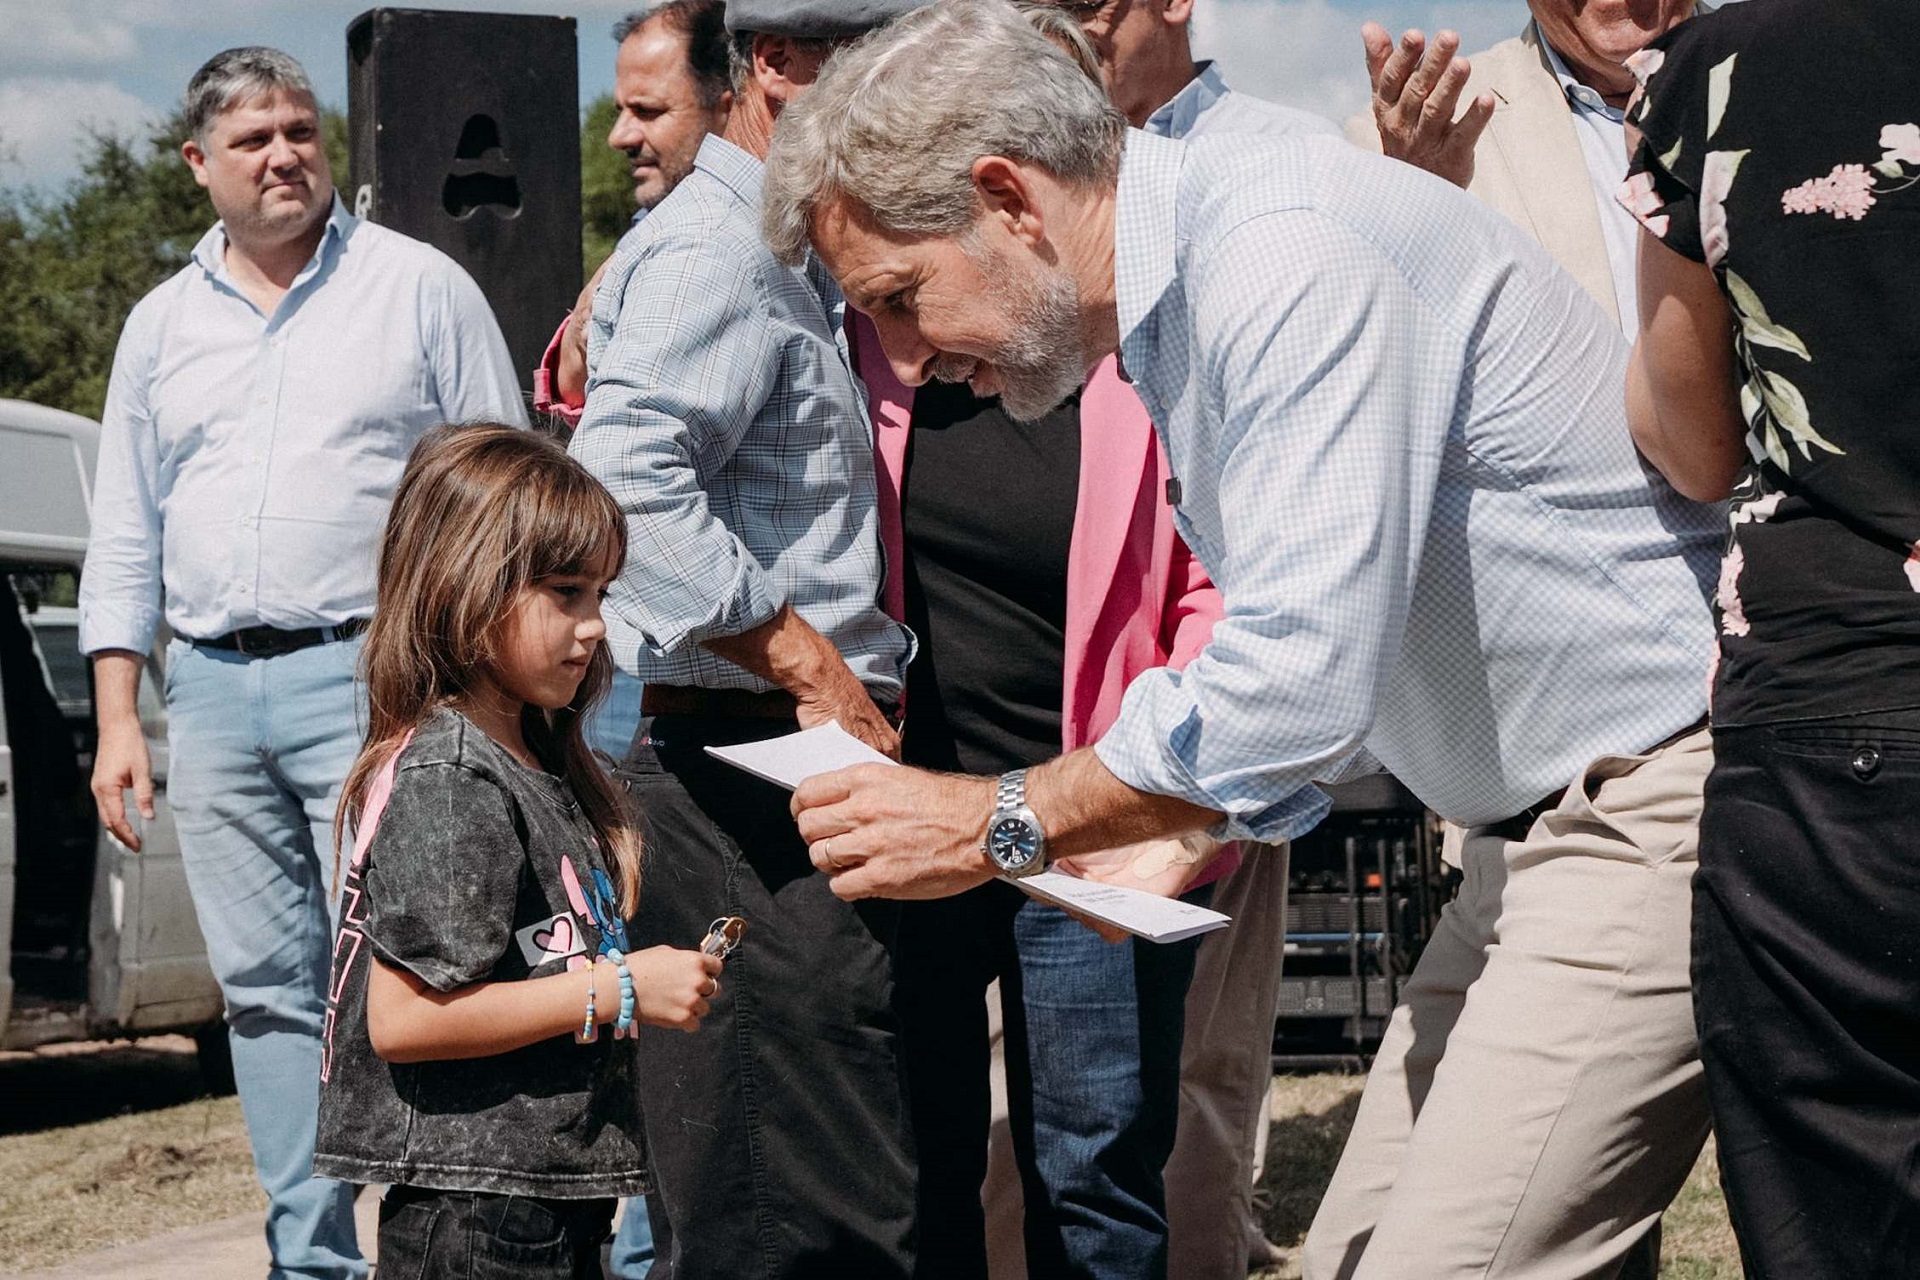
(73,264)
(606,186)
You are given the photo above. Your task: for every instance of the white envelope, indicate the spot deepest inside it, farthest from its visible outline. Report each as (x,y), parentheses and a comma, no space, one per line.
(791,760)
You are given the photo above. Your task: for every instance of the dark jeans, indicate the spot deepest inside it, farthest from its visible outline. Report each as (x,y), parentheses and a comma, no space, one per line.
(778,1133)
(1093,1033)
(466,1235)
(1806,970)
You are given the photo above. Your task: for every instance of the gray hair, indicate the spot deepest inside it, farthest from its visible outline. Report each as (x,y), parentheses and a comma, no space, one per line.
(740,56)
(234,76)
(1061,27)
(895,123)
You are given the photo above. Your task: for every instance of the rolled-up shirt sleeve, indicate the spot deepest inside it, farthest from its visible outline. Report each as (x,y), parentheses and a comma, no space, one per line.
(690,360)
(1334,386)
(120,586)
(473,372)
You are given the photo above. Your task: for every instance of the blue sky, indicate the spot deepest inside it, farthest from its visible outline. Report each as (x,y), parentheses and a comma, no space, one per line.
(67,65)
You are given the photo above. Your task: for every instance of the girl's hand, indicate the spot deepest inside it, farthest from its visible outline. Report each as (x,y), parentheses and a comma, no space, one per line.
(672,987)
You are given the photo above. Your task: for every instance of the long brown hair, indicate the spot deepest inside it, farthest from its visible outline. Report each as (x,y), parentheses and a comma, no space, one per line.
(481,512)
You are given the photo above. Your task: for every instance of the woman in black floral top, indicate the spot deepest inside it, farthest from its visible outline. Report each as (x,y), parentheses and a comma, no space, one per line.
(1778,177)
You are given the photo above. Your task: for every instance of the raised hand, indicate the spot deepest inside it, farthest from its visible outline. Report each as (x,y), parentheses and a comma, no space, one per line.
(1416,90)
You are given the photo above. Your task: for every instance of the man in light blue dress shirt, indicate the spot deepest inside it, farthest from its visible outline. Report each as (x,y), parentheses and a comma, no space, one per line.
(263,402)
(1402,456)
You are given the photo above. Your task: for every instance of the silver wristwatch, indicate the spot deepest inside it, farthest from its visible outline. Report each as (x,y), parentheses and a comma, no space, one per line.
(1014,842)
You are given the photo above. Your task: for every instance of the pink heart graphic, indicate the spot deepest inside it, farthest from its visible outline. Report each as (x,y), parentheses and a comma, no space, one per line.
(556,938)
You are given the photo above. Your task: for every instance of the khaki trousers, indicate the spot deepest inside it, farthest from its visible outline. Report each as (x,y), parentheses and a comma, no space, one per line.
(1226,1082)
(1538,1098)
(1226,1074)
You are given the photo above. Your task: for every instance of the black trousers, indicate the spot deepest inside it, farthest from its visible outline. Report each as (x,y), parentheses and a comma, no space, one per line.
(468,1235)
(778,1133)
(1806,969)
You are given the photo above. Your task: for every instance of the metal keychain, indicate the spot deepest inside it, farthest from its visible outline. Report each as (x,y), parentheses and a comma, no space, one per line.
(723,935)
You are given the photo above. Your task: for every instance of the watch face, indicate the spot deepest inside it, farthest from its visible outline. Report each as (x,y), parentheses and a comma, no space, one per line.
(1013,843)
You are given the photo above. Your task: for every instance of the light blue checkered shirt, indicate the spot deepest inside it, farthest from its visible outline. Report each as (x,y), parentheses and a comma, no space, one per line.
(725,418)
(1404,459)
(1207,105)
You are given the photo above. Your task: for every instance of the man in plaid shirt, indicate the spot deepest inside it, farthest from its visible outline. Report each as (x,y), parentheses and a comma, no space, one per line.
(723,413)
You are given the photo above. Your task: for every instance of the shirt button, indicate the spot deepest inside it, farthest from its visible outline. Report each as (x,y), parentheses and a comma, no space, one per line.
(1866,762)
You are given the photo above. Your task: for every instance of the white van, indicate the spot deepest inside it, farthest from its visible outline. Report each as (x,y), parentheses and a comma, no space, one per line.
(95,941)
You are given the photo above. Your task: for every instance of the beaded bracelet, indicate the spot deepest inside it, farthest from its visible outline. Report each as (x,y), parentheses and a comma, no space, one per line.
(623,1025)
(589,1029)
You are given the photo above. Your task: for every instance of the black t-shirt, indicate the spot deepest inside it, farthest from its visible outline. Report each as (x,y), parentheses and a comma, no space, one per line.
(1782,148)
(480,869)
(987,512)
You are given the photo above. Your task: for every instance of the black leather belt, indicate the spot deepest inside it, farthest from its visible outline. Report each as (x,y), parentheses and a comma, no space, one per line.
(1516,827)
(272,642)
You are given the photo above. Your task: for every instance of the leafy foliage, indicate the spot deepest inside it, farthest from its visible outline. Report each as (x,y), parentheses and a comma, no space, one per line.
(72,264)
(606,186)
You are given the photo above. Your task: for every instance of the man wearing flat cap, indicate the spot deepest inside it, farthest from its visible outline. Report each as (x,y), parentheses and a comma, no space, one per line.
(723,414)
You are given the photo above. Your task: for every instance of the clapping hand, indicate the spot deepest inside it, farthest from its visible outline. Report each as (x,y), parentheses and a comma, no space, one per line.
(1414,99)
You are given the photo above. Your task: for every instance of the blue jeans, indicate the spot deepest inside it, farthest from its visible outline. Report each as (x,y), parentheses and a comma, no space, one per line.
(1093,1036)
(611,728)
(632,1254)
(259,748)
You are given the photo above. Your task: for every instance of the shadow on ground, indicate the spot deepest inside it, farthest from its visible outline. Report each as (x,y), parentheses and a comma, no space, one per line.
(1302,1150)
(74,1084)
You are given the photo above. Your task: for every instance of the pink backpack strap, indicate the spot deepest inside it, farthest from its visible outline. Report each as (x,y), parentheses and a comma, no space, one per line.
(378,794)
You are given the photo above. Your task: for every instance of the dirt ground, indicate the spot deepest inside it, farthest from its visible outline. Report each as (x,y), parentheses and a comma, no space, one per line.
(101,1146)
(105,1146)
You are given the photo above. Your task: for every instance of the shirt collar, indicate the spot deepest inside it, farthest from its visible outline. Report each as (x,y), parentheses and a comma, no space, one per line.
(210,253)
(1143,231)
(738,169)
(1579,96)
(1178,116)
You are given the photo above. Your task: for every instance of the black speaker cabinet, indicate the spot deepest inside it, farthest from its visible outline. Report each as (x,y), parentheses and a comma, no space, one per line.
(466,134)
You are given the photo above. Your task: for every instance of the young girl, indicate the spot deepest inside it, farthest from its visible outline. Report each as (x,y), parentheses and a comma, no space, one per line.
(478,1054)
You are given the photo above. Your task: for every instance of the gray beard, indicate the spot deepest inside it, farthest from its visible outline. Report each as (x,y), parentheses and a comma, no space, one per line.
(1043,362)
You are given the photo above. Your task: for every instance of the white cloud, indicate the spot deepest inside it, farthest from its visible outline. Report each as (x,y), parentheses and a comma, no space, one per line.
(44,122)
(40,35)
(1307,52)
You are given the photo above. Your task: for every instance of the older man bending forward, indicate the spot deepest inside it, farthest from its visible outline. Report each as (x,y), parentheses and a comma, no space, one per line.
(1401,455)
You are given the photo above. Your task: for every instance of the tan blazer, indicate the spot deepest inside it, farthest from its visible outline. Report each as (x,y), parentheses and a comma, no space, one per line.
(1528,164)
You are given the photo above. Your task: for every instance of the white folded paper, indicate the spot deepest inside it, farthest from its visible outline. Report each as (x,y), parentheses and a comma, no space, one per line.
(789,761)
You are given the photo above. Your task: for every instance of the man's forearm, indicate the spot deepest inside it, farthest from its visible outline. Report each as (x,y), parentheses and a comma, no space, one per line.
(1084,808)
(116,686)
(785,649)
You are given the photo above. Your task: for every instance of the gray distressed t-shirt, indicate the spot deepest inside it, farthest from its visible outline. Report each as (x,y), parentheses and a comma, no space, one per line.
(480,870)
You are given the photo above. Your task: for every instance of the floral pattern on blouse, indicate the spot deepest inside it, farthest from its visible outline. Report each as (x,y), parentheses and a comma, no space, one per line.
(1780,148)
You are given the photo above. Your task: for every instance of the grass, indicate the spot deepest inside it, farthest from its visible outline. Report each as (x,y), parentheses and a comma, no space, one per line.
(105,1146)
(1311,1115)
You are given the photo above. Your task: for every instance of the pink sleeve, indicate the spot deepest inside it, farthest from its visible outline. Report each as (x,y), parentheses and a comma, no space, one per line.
(543,380)
(1193,606)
